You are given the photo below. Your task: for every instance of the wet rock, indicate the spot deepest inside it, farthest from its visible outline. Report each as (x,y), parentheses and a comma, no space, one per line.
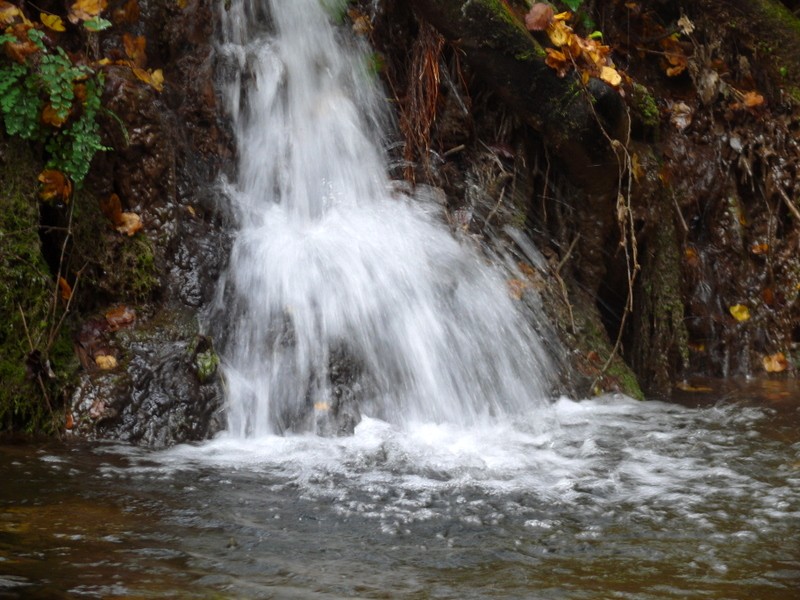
(165,392)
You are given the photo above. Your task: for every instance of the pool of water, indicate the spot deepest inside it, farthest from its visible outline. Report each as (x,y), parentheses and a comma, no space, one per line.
(608,498)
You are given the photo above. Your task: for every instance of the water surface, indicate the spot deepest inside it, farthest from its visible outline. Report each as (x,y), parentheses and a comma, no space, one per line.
(598,499)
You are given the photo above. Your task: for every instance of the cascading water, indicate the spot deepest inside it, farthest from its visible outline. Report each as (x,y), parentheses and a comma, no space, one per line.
(341,291)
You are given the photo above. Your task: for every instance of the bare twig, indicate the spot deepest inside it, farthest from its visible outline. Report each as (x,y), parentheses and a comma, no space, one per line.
(789,204)
(495,209)
(568,254)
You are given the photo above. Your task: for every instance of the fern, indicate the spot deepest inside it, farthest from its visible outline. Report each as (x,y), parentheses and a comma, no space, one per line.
(49,77)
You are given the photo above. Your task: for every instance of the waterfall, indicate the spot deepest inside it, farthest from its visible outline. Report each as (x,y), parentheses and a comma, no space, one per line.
(344,296)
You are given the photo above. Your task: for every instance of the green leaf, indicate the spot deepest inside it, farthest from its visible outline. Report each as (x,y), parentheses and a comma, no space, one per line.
(573,5)
(97,24)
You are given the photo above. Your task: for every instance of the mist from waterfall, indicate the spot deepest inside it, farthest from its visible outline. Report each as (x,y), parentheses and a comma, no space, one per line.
(340,289)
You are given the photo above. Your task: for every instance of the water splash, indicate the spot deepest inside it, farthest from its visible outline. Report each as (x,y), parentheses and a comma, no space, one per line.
(342,293)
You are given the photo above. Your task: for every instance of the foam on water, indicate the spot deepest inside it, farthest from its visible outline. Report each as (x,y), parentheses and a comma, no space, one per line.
(658,461)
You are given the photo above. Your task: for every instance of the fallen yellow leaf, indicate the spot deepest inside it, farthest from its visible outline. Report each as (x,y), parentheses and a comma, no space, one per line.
(559,33)
(610,76)
(105,362)
(8,12)
(752,99)
(86,10)
(129,223)
(740,312)
(52,22)
(154,79)
(775,363)
(120,317)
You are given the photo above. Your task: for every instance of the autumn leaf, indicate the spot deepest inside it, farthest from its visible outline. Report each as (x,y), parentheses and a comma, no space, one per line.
(154,79)
(55,186)
(105,362)
(752,99)
(321,406)
(129,223)
(50,116)
(559,33)
(775,363)
(685,386)
(8,13)
(610,76)
(516,288)
(539,17)
(119,317)
(676,61)
(759,249)
(127,13)
(527,270)
(740,312)
(135,48)
(685,25)
(362,24)
(636,167)
(691,257)
(66,289)
(557,60)
(111,207)
(24,47)
(86,10)
(52,22)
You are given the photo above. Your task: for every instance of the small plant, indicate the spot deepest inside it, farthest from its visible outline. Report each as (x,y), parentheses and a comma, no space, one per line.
(44,96)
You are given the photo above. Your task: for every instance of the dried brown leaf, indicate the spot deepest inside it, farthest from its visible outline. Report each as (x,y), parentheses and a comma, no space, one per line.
(86,10)
(775,363)
(135,48)
(55,186)
(129,223)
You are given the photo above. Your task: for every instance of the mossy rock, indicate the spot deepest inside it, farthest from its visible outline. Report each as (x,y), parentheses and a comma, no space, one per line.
(27,294)
(114,267)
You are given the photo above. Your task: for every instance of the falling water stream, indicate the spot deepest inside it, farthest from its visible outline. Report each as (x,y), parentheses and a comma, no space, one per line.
(334,275)
(460,479)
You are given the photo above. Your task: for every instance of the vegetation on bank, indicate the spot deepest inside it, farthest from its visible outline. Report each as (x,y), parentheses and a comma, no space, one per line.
(56,239)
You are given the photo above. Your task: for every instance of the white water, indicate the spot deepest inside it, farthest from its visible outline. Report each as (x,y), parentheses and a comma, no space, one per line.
(332,273)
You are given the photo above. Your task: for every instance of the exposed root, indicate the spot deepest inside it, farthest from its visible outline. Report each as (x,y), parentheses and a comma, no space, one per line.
(419,106)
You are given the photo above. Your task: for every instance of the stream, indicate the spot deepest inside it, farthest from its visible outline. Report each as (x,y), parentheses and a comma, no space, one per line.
(605,498)
(391,432)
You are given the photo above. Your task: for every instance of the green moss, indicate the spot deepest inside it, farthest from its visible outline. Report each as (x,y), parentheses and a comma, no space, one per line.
(662,344)
(26,288)
(495,22)
(592,338)
(645,107)
(115,267)
(778,13)
(206,364)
